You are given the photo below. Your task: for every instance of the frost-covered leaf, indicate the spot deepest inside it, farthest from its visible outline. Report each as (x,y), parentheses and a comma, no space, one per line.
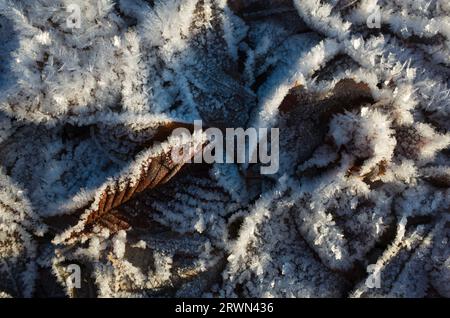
(151,167)
(86,178)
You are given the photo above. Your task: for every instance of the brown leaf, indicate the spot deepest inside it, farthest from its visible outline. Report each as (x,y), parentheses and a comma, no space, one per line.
(305,115)
(159,170)
(155,170)
(346,94)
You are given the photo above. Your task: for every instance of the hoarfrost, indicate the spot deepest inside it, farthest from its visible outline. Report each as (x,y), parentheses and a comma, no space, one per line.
(86,178)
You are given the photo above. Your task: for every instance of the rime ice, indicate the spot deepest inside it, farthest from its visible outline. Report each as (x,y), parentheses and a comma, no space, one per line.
(88,93)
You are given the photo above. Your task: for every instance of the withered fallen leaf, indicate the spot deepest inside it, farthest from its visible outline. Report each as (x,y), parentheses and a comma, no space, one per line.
(347,94)
(305,115)
(155,170)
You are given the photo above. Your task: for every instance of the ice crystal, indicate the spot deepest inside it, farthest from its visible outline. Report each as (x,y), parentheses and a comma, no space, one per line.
(358,208)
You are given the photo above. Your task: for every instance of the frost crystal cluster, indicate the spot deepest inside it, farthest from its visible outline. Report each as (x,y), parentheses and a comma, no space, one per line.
(91,89)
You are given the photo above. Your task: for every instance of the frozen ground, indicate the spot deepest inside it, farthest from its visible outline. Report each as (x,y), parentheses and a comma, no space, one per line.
(358,208)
